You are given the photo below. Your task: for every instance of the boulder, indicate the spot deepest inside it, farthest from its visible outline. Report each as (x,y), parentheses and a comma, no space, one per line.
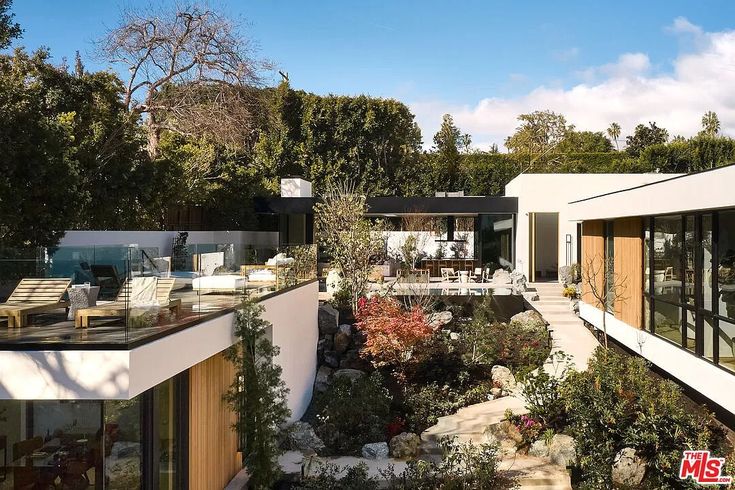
(342,338)
(565,275)
(328,319)
(496,392)
(562,450)
(405,445)
(539,449)
(628,468)
(333,281)
(301,437)
(323,379)
(352,360)
(375,450)
(439,319)
(502,276)
(331,359)
(518,280)
(503,378)
(506,436)
(351,374)
(454,335)
(528,320)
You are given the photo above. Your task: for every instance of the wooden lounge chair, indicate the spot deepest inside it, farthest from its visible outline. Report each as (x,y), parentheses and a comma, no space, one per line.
(119,307)
(33,295)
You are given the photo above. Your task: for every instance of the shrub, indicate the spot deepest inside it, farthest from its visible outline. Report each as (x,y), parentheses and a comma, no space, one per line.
(616,403)
(516,346)
(392,332)
(352,413)
(569,292)
(529,428)
(464,466)
(329,476)
(543,395)
(424,404)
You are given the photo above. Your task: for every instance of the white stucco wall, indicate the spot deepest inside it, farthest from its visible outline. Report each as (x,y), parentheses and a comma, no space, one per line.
(295,331)
(709,380)
(124,374)
(552,193)
(712,189)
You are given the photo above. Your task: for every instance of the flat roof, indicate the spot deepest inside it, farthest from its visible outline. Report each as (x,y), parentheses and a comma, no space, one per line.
(396,205)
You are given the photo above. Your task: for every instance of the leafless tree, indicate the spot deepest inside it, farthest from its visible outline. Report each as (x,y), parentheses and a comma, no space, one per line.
(605,287)
(190,71)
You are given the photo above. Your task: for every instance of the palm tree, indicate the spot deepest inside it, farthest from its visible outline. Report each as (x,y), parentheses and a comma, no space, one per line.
(710,123)
(614,133)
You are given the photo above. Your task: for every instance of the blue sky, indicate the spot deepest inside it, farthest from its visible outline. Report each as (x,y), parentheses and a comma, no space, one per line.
(442,56)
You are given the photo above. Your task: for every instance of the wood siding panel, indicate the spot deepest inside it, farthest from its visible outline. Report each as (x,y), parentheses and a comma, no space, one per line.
(593,249)
(213,456)
(629,269)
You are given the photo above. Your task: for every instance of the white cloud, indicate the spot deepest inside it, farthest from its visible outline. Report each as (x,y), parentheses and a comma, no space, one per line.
(625,91)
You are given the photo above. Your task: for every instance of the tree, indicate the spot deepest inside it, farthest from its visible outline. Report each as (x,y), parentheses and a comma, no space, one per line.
(584,142)
(39,181)
(614,133)
(257,395)
(190,72)
(9,29)
(643,137)
(604,285)
(447,143)
(353,241)
(710,124)
(538,134)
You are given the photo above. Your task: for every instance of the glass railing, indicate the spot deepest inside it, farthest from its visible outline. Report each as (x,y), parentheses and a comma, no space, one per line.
(127,294)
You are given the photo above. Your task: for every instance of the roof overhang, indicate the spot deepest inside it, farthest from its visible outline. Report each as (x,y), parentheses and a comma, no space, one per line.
(398,206)
(707,190)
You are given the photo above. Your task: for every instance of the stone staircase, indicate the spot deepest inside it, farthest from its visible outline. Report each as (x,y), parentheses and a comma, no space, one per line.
(568,334)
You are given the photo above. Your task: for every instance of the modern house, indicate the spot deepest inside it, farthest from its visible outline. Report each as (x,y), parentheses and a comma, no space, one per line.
(672,244)
(132,396)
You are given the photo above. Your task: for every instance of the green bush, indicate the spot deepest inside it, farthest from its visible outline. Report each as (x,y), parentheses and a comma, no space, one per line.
(352,413)
(517,346)
(327,476)
(424,404)
(617,403)
(543,393)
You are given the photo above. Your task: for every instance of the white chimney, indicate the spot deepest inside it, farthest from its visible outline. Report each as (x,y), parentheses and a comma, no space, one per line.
(295,187)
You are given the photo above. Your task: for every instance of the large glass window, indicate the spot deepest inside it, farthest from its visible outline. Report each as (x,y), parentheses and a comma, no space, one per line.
(123,444)
(667,264)
(726,270)
(690,261)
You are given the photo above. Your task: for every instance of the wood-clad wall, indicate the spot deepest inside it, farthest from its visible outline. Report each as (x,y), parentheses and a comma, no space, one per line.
(629,270)
(593,249)
(213,456)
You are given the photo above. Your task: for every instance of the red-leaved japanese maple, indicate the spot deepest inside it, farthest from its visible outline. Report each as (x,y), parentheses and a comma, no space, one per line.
(392,332)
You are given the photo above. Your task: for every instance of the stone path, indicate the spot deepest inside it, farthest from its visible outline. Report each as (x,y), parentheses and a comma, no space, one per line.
(568,334)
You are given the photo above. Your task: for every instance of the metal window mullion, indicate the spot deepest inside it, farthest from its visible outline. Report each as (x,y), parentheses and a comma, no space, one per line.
(682,271)
(651,279)
(715,287)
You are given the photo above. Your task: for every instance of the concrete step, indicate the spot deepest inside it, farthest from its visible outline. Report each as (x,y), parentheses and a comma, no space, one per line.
(536,473)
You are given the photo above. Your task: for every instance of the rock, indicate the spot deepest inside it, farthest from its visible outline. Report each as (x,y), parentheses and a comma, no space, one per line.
(331,359)
(301,437)
(454,335)
(503,378)
(530,295)
(323,379)
(518,279)
(575,305)
(333,281)
(328,319)
(351,374)
(405,445)
(342,338)
(628,468)
(439,319)
(528,320)
(502,276)
(496,392)
(352,360)
(539,449)
(506,435)
(562,450)
(375,450)
(565,275)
